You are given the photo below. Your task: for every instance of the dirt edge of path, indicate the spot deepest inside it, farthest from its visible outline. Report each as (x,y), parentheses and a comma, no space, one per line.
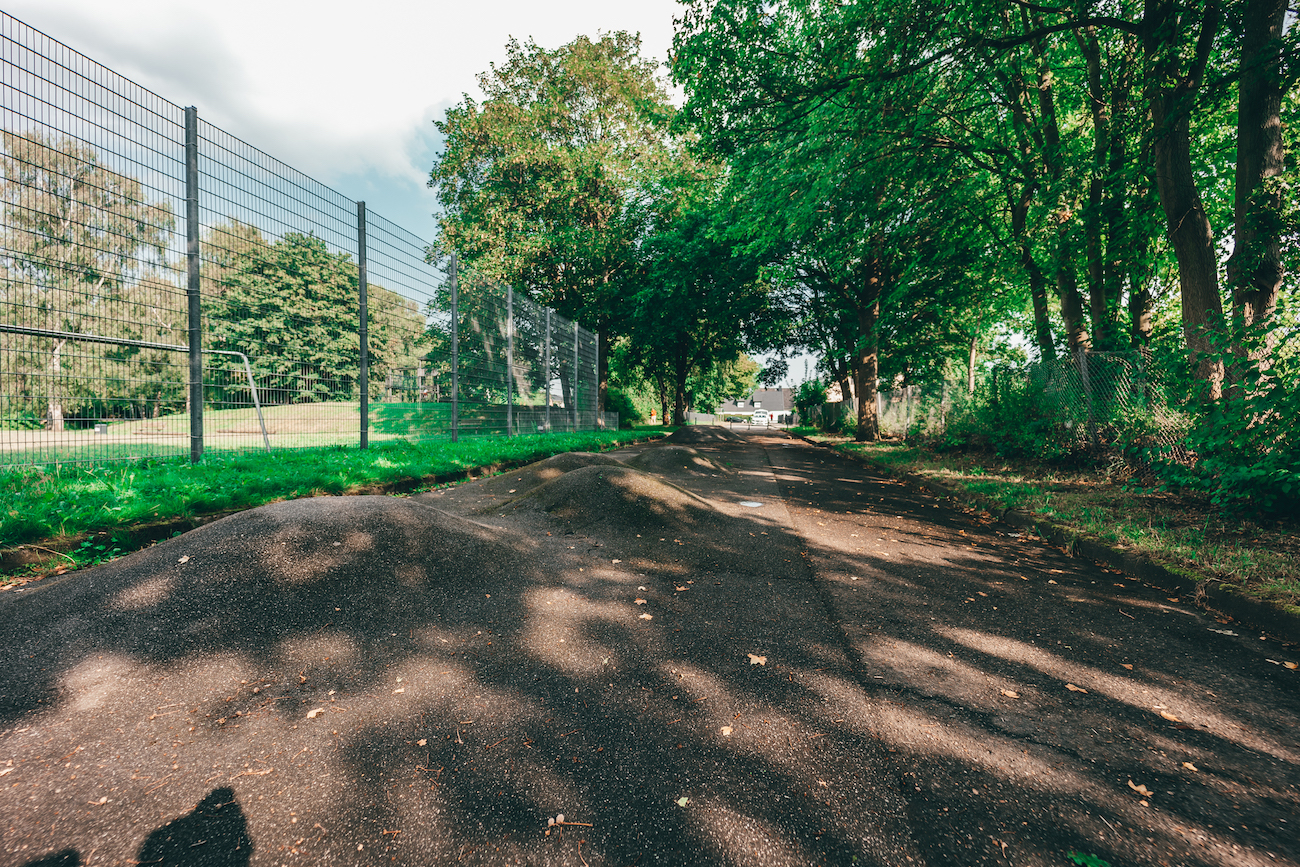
(1213,596)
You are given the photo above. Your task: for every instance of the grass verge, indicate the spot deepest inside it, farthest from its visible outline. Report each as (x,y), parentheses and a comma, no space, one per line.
(1183,533)
(81,516)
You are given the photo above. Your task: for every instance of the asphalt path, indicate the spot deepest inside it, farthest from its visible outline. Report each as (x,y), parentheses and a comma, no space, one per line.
(729,649)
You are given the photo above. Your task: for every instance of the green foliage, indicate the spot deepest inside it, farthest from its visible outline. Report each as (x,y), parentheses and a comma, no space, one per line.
(1012,416)
(725,380)
(291,307)
(1246,452)
(1084,860)
(696,307)
(809,397)
(92,552)
(544,184)
(82,250)
(619,401)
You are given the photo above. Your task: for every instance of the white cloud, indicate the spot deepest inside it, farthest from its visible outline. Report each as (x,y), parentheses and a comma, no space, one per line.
(333,89)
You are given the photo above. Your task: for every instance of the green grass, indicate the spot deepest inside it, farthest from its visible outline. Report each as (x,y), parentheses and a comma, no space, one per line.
(44,503)
(1184,533)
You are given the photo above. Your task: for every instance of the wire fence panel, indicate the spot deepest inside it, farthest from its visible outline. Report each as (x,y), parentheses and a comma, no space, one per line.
(1093,400)
(166,288)
(92,176)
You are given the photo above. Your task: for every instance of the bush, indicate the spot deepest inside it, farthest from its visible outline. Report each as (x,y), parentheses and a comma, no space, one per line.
(1015,418)
(1247,455)
(619,401)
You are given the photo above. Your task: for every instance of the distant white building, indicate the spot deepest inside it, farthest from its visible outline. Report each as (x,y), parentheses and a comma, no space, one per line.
(778,402)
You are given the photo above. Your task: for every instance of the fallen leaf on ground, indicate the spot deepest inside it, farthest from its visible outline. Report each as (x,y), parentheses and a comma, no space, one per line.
(312,714)
(1072,688)
(675,587)
(101,802)
(1291,665)
(682,802)
(184,559)
(757,660)
(640,601)
(726,731)
(617,561)
(4,771)
(400,689)
(1167,715)
(1010,693)
(1190,766)
(1126,665)
(422,741)
(1140,789)
(1050,581)
(647,617)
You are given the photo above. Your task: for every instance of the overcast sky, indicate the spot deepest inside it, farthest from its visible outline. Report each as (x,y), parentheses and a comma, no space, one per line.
(344,92)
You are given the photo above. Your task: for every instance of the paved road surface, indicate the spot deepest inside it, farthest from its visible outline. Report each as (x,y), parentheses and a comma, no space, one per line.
(734,650)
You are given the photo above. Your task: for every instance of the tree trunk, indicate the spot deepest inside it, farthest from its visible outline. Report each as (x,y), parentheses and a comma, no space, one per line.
(1170,91)
(681,370)
(1038,294)
(1255,269)
(1140,303)
(54,412)
(602,367)
(1067,282)
(970,364)
(1067,286)
(868,370)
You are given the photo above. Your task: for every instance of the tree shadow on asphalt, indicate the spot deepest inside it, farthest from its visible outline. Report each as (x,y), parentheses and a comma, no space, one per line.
(418,688)
(1035,696)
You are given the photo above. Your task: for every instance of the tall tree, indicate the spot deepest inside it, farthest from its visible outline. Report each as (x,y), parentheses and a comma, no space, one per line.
(545,184)
(1255,270)
(79,239)
(291,307)
(699,303)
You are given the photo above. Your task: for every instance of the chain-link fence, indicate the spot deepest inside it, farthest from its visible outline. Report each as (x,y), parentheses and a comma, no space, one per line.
(1089,401)
(167,289)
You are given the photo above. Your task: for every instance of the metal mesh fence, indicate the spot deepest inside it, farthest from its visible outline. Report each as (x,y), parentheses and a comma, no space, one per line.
(1092,400)
(167,289)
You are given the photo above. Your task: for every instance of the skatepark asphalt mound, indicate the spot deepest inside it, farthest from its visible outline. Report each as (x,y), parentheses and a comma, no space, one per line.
(296,567)
(677,460)
(619,497)
(519,482)
(701,434)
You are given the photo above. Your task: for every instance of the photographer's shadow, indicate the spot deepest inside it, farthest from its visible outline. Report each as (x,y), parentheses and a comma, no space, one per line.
(215,834)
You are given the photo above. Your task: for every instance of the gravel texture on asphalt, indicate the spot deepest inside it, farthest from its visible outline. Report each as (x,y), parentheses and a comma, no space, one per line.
(716,649)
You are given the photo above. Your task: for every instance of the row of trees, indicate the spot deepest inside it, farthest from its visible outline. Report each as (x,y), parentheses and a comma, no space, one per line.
(898,189)
(568,182)
(928,175)
(85,250)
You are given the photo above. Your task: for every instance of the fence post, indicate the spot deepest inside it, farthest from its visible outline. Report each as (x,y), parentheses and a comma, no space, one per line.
(455,355)
(510,361)
(194,286)
(546,388)
(363,377)
(576,380)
